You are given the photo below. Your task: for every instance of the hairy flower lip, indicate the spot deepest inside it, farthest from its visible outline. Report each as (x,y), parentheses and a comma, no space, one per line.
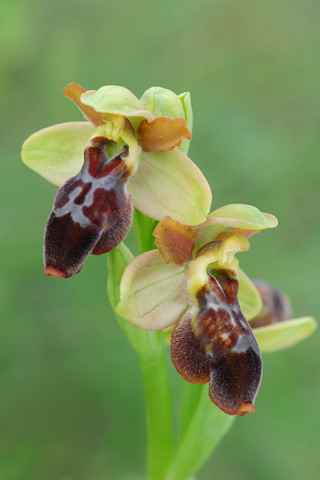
(92,211)
(214,343)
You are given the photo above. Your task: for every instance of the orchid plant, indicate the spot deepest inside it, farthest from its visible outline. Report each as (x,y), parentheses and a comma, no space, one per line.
(127,165)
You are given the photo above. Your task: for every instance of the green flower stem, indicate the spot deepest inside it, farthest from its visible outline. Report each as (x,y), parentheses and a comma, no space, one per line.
(206,428)
(143,227)
(150,347)
(158,412)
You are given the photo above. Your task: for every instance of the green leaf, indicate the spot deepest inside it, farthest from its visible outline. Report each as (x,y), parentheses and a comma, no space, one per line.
(115,100)
(241,216)
(284,334)
(153,294)
(207,427)
(169,183)
(248,296)
(57,152)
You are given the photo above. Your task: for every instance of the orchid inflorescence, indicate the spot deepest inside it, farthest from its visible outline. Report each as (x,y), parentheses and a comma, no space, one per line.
(132,154)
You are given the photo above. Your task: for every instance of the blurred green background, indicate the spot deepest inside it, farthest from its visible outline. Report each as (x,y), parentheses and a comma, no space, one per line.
(71,405)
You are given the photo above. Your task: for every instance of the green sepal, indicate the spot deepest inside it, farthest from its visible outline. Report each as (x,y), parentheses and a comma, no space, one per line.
(153,294)
(169,183)
(145,343)
(56,152)
(278,336)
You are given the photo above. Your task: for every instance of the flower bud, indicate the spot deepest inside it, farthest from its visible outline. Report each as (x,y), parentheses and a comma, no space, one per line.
(92,212)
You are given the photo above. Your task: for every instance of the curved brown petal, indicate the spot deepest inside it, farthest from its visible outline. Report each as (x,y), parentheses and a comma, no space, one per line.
(74,92)
(215,343)
(174,240)
(162,134)
(92,212)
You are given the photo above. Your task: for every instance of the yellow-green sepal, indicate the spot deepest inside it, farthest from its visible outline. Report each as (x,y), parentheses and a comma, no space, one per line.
(153,294)
(278,336)
(56,152)
(173,185)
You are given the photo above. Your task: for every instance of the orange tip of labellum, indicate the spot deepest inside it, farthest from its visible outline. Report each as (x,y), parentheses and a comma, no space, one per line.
(55,272)
(245,408)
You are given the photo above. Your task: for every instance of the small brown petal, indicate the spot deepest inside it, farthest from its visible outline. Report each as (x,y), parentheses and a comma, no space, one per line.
(162,134)
(175,241)
(74,92)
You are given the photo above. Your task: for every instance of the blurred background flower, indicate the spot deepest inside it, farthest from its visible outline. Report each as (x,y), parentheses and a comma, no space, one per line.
(66,370)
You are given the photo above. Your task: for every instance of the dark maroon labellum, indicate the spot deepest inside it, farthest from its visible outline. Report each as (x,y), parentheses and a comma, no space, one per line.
(92,212)
(214,343)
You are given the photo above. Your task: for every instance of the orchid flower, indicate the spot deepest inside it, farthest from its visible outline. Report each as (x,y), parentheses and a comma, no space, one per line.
(193,283)
(129,152)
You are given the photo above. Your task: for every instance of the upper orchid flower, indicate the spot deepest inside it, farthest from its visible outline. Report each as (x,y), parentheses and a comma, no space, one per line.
(134,152)
(193,282)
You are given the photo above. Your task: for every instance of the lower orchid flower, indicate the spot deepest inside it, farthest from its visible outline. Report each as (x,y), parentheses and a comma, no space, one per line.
(134,154)
(193,283)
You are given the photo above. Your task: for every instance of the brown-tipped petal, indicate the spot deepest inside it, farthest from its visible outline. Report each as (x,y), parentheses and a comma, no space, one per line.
(175,241)
(92,212)
(74,92)
(162,134)
(276,306)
